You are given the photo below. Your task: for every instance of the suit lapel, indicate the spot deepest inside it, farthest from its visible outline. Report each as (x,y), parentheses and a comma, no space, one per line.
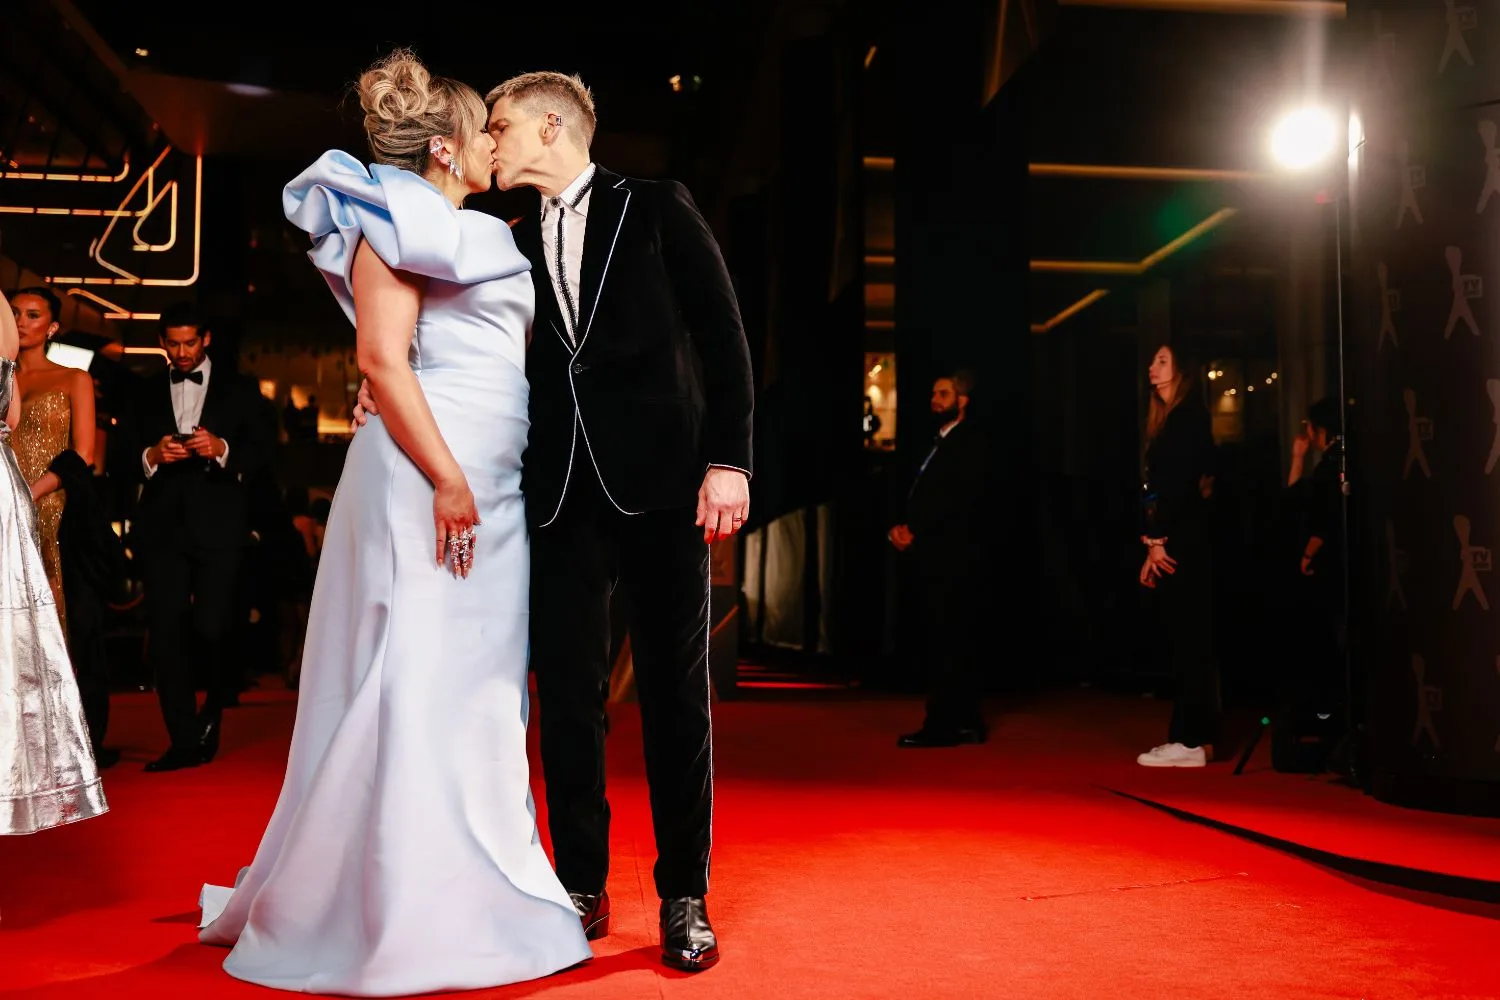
(166,409)
(213,400)
(528,234)
(607,206)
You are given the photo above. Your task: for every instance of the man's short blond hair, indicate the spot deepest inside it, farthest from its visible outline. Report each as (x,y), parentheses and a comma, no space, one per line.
(544,92)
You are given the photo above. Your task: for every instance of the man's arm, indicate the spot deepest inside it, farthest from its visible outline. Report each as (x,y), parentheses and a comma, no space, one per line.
(701,284)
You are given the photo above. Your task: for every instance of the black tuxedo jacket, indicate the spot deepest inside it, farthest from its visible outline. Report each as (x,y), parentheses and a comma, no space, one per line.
(196,502)
(949,503)
(659,387)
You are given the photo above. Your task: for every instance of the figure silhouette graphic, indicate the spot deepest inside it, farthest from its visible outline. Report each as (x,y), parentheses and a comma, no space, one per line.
(1460,310)
(1426,695)
(1468,580)
(1408,189)
(1493,387)
(1394,591)
(1414,452)
(1387,325)
(1455,42)
(1491,164)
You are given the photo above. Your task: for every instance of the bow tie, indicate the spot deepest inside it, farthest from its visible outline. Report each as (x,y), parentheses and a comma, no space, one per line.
(181,376)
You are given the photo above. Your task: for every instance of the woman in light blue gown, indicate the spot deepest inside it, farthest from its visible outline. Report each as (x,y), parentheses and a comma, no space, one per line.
(403,854)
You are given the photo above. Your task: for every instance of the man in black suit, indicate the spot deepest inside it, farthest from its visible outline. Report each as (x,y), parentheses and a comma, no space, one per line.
(199,433)
(639,457)
(946,515)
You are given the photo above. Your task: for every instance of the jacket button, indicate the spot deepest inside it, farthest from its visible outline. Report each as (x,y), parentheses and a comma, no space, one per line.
(579,369)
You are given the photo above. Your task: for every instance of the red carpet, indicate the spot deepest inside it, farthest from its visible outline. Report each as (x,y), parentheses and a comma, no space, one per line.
(843,869)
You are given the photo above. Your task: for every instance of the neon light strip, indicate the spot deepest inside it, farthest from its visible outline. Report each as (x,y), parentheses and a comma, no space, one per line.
(113,311)
(92,212)
(1138,267)
(23,175)
(128,278)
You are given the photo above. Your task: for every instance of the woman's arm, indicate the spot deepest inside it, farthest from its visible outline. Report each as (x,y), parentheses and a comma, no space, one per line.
(10,343)
(81,395)
(81,401)
(386,304)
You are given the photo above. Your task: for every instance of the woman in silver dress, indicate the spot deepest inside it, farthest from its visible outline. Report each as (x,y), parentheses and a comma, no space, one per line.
(47,771)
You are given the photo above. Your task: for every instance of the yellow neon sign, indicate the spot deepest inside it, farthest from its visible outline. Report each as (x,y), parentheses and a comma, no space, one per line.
(126,277)
(112,311)
(27,175)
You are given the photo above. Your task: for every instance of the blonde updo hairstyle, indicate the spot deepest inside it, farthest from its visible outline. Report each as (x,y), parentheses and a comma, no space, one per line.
(405,107)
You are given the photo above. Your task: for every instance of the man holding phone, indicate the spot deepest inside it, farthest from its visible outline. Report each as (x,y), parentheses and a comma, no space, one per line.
(199,433)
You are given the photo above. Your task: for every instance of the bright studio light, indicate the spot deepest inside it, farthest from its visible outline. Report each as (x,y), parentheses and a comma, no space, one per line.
(1304,138)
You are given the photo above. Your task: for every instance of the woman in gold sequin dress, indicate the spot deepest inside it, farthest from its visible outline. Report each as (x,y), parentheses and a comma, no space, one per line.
(57,413)
(47,772)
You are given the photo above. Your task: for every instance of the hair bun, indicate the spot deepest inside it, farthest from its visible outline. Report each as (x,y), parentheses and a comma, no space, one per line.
(406,107)
(394,90)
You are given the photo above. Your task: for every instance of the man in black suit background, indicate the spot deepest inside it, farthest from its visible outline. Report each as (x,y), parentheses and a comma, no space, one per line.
(199,434)
(946,514)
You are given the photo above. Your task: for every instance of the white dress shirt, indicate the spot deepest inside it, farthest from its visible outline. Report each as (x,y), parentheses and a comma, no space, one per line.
(187,407)
(574,214)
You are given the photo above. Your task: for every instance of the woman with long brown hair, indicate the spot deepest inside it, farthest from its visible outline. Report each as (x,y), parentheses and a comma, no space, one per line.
(1179,555)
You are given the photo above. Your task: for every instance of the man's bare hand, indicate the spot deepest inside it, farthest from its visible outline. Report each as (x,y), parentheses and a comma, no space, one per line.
(364,406)
(166,451)
(723,503)
(205,444)
(901,537)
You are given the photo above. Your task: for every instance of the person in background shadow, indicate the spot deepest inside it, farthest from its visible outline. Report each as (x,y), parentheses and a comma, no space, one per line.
(200,434)
(1319,600)
(1175,520)
(95,571)
(946,511)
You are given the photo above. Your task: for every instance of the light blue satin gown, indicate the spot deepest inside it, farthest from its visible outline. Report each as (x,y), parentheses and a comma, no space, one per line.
(403,855)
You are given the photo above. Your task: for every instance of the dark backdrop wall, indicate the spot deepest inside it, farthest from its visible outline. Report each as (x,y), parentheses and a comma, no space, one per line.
(1425,359)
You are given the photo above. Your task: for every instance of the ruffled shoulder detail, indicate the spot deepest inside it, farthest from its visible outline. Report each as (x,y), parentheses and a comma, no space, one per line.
(406,220)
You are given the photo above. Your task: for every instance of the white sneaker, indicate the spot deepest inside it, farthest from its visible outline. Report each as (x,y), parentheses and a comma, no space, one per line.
(1174,755)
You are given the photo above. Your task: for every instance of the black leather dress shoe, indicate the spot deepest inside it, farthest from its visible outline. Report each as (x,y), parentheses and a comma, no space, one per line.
(687,939)
(925,737)
(593,911)
(208,739)
(174,760)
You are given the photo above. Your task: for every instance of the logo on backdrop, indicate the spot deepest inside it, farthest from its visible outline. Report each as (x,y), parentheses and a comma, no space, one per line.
(1493,387)
(1476,559)
(1491,164)
(1390,302)
(1396,560)
(1465,287)
(1418,430)
(1429,700)
(1460,19)
(1413,176)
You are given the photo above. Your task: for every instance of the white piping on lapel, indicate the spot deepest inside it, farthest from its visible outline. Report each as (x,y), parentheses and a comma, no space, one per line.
(568,476)
(577,410)
(589,327)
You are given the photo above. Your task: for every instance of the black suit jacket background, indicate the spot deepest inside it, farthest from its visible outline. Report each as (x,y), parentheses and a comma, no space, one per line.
(661,377)
(949,506)
(196,502)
